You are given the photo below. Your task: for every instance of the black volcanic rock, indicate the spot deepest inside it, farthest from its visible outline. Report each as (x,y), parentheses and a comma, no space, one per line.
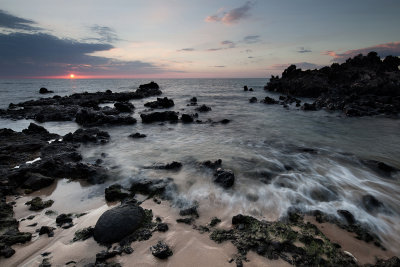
(44,90)
(137,135)
(224,177)
(269,100)
(160,103)
(203,108)
(90,118)
(161,250)
(124,106)
(159,116)
(362,86)
(147,86)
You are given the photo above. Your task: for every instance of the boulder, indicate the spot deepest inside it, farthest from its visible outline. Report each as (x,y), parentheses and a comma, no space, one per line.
(90,118)
(161,250)
(160,103)
(114,193)
(253,99)
(36,181)
(171,116)
(124,106)
(224,177)
(187,118)
(137,135)
(269,100)
(117,223)
(44,90)
(203,108)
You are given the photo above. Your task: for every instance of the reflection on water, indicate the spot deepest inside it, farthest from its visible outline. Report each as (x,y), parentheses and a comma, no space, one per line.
(264,145)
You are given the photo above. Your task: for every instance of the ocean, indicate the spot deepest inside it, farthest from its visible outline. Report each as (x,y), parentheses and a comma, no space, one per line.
(281,158)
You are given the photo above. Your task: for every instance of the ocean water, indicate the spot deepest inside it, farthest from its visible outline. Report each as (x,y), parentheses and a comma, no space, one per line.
(263,145)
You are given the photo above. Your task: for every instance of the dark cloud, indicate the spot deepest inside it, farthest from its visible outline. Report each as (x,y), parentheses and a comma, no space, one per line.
(9,21)
(250,57)
(220,66)
(383,50)
(228,43)
(232,16)
(251,39)
(107,34)
(215,49)
(186,50)
(303,50)
(41,54)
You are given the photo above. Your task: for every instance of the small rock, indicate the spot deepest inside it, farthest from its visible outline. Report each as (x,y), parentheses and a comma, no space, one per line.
(224,177)
(44,90)
(137,135)
(162,227)
(161,250)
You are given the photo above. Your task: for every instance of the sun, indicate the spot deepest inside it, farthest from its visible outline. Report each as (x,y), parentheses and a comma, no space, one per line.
(72,76)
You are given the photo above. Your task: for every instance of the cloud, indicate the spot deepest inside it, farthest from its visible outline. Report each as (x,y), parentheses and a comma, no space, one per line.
(251,39)
(383,50)
(303,50)
(215,49)
(232,16)
(228,43)
(9,21)
(41,54)
(186,50)
(220,66)
(107,34)
(250,57)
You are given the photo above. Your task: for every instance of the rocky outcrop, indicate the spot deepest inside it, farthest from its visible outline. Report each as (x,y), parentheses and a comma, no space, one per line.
(203,108)
(160,103)
(362,86)
(171,116)
(224,177)
(161,250)
(88,118)
(44,90)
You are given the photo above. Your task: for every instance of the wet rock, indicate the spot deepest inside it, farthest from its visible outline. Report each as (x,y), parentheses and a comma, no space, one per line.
(160,103)
(13,236)
(269,100)
(347,216)
(44,90)
(245,88)
(171,116)
(6,251)
(381,167)
(225,121)
(187,118)
(150,186)
(224,177)
(212,165)
(105,255)
(185,220)
(83,234)
(36,181)
(203,108)
(253,99)
(64,220)
(46,230)
(45,263)
(92,135)
(322,194)
(392,262)
(214,221)
(193,100)
(251,90)
(35,129)
(162,227)
(88,118)
(172,166)
(189,211)
(38,204)
(137,135)
(307,106)
(161,250)
(371,204)
(117,223)
(124,106)
(151,85)
(114,193)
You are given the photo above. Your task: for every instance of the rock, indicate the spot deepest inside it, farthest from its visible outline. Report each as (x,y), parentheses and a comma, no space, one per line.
(45,91)
(64,219)
(6,251)
(35,129)
(185,220)
(36,181)
(92,135)
(245,88)
(45,263)
(105,255)
(307,106)
(160,103)
(224,177)
(392,262)
(212,165)
(169,166)
(371,204)
(114,193)
(347,216)
(214,221)
(38,204)
(269,100)
(151,85)
(253,99)
(150,186)
(117,223)
(189,211)
(83,234)
(171,116)
(203,108)
(162,227)
(89,118)
(124,106)
(137,135)
(322,194)
(46,230)
(251,90)
(225,121)
(187,118)
(161,250)
(193,100)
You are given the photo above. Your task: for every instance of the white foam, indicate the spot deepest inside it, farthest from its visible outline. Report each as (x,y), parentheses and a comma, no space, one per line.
(33,161)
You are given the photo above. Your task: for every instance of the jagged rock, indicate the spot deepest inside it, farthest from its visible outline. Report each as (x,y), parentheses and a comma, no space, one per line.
(203,108)
(46,230)
(245,88)
(124,106)
(45,91)
(159,116)
(161,250)
(212,165)
(89,118)
(36,181)
(160,103)
(83,234)
(64,220)
(162,227)
(187,118)
(269,100)
(38,204)
(137,135)
(150,186)
(93,135)
(253,99)
(224,177)
(114,193)
(151,85)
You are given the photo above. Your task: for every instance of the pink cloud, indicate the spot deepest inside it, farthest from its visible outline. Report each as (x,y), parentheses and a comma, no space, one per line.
(232,16)
(383,50)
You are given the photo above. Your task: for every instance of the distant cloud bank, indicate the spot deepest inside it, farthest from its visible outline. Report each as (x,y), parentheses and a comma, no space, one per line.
(232,16)
(383,50)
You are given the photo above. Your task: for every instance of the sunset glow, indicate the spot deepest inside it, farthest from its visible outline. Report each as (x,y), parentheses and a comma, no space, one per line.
(72,76)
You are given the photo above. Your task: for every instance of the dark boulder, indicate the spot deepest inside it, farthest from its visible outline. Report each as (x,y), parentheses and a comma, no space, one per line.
(161,250)
(150,186)
(83,234)
(212,165)
(45,91)
(224,177)
(38,204)
(159,116)
(162,227)
(253,99)
(137,135)
(35,129)
(46,230)
(92,135)
(270,101)
(310,107)
(347,216)
(124,106)
(203,108)
(245,88)
(117,223)
(193,100)
(371,204)
(36,181)
(160,103)
(89,118)
(151,85)
(64,219)
(187,118)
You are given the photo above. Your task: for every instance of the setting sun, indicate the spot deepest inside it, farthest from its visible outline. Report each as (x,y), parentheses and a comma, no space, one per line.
(72,76)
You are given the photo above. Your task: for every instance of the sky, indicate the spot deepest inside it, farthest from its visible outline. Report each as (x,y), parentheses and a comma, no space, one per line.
(189,39)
